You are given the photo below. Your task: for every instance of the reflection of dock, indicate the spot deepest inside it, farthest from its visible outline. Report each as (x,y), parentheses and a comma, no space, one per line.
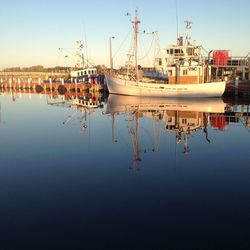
(81,108)
(86,99)
(240,89)
(238,112)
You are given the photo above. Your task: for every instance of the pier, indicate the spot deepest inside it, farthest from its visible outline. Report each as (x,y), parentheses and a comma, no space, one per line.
(42,87)
(238,89)
(234,70)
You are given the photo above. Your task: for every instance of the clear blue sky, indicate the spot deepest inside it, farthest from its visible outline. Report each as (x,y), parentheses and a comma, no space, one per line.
(32,31)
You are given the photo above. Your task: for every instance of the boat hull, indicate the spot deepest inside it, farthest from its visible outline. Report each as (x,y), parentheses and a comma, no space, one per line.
(127,87)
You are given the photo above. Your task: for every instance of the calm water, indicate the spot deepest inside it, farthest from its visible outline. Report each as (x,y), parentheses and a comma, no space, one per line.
(148,175)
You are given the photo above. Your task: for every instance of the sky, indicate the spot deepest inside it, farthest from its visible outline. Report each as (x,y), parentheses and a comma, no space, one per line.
(31,31)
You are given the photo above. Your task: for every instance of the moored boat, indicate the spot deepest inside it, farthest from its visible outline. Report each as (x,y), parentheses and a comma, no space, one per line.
(159,89)
(177,84)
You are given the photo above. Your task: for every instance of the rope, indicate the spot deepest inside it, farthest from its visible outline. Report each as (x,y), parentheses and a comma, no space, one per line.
(125,39)
(150,48)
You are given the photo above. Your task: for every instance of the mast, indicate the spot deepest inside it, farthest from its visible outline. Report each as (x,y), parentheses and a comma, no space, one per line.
(176,16)
(113,127)
(80,54)
(86,50)
(136,22)
(137,153)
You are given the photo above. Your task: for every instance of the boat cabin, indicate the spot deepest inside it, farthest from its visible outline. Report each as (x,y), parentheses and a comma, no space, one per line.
(184,65)
(155,73)
(188,74)
(188,54)
(82,73)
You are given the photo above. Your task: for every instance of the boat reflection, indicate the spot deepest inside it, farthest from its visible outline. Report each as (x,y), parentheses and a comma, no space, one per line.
(180,116)
(86,105)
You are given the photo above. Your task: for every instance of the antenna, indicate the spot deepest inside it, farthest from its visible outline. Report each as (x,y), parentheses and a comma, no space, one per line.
(80,54)
(188,28)
(176,15)
(86,45)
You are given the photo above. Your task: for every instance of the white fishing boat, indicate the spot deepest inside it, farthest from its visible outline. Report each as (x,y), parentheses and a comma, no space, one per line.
(185,78)
(142,88)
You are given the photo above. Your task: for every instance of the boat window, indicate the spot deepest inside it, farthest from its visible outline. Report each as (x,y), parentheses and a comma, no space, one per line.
(178,52)
(185,72)
(190,51)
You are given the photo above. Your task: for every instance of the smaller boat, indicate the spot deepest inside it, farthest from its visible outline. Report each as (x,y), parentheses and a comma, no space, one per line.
(84,71)
(185,78)
(85,74)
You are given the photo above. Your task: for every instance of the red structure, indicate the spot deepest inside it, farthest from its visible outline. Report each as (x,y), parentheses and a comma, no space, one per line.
(220,57)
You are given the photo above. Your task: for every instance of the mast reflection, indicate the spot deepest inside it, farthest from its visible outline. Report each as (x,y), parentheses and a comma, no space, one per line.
(180,116)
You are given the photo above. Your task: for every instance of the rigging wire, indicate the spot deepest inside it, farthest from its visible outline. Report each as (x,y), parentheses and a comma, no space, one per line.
(125,39)
(148,51)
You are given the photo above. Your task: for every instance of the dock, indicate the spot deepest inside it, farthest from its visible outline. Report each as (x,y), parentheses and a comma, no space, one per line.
(238,89)
(47,87)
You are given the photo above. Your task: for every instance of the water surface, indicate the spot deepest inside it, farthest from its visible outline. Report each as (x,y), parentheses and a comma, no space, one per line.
(128,174)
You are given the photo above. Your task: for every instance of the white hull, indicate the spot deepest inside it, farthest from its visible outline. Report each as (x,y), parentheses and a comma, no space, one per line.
(127,87)
(119,103)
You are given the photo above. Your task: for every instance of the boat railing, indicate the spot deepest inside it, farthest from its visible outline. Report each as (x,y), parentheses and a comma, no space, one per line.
(238,61)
